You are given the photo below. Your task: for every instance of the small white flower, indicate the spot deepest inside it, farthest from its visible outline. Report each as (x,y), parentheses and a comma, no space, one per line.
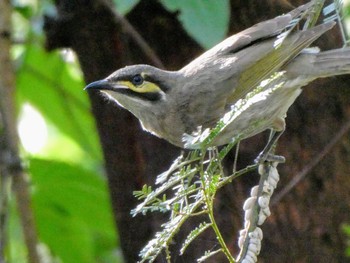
(272,181)
(253,234)
(243,232)
(261,219)
(254,191)
(261,169)
(246,260)
(253,248)
(264,201)
(241,240)
(248,214)
(266,211)
(249,258)
(274,173)
(259,233)
(256,242)
(249,203)
(252,255)
(267,188)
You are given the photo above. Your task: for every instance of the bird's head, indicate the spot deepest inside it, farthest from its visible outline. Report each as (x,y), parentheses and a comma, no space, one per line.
(136,88)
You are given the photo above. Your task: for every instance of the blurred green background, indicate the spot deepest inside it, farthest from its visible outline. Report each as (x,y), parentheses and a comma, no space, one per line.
(60,144)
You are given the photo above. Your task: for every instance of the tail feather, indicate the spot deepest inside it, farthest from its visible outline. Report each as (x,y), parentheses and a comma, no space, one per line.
(333,62)
(321,65)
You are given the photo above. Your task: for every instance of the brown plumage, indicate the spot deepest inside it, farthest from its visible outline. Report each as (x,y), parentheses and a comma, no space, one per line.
(170,104)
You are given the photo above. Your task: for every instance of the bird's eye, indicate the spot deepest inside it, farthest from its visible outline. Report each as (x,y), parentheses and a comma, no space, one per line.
(137,80)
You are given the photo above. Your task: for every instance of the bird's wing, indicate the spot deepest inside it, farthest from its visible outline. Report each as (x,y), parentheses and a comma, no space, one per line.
(239,64)
(259,61)
(241,40)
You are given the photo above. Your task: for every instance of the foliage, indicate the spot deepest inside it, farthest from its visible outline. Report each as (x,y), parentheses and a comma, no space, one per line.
(206,21)
(346,229)
(125,6)
(187,190)
(71,201)
(55,90)
(70,197)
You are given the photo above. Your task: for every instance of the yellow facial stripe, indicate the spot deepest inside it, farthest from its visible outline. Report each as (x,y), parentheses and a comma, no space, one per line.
(145,87)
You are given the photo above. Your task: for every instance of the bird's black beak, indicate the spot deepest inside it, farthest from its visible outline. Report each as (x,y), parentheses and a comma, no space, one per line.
(99,85)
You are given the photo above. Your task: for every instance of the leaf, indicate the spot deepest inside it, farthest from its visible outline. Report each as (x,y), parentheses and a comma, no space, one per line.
(16,250)
(346,229)
(25,10)
(205,20)
(193,234)
(52,85)
(62,236)
(72,210)
(125,6)
(208,254)
(151,196)
(164,237)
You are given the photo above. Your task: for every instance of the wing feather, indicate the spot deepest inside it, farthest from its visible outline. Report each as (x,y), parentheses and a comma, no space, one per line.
(238,64)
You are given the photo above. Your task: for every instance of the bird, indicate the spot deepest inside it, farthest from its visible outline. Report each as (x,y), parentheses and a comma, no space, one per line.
(173,104)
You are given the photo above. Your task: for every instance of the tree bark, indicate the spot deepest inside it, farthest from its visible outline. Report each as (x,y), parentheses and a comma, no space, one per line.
(305,225)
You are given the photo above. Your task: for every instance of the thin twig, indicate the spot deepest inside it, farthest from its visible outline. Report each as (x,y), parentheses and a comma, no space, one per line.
(316,160)
(233,176)
(235,158)
(209,199)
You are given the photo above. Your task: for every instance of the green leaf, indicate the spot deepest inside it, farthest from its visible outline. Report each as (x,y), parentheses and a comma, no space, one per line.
(55,88)
(72,210)
(67,239)
(125,6)
(205,20)
(193,235)
(208,254)
(15,248)
(25,10)
(346,229)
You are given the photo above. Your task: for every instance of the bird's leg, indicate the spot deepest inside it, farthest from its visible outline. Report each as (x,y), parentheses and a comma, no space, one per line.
(266,154)
(236,158)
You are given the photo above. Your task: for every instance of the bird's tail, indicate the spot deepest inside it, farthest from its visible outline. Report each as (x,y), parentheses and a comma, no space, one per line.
(320,64)
(333,62)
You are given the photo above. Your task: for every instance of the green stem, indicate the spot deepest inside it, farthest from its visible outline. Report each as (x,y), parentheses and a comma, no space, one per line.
(225,250)
(168,256)
(228,179)
(209,198)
